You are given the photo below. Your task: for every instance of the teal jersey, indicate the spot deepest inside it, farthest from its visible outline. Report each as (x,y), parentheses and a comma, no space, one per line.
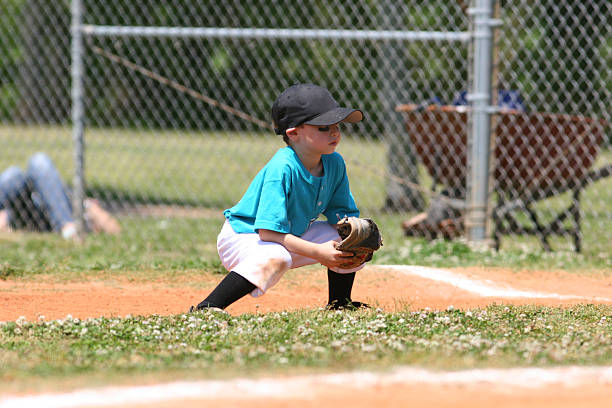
(286,198)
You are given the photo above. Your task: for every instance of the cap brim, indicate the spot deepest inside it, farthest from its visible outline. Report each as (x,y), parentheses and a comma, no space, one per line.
(336,115)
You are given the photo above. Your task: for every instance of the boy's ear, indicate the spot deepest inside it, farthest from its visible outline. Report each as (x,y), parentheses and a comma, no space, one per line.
(292,133)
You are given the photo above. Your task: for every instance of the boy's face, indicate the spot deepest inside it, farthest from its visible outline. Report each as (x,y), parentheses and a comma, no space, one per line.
(317,139)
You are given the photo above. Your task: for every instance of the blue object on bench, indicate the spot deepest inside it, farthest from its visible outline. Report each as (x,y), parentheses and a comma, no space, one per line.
(506,100)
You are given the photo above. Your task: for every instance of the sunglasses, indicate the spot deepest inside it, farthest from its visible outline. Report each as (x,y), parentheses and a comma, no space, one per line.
(325,128)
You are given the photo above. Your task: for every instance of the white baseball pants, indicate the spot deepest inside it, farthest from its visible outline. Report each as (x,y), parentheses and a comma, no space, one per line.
(263,263)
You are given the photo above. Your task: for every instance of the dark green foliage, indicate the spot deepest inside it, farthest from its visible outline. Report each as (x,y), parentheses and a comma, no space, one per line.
(244,73)
(249,73)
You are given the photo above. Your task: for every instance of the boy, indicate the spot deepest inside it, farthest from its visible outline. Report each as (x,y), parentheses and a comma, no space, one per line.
(273,227)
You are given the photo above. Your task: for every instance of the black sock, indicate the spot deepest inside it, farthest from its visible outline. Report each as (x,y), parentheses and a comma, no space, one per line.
(229,290)
(340,287)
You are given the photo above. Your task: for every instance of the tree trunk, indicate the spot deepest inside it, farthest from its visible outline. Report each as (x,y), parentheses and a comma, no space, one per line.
(44,74)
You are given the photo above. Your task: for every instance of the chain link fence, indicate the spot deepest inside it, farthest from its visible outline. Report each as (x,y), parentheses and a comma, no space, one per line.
(182,121)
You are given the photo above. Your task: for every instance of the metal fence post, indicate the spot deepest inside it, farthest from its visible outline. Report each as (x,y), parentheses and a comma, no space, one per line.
(479,138)
(78,191)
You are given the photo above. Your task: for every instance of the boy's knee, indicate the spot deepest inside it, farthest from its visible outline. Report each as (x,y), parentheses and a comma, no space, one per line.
(276,265)
(40,163)
(320,232)
(13,176)
(269,272)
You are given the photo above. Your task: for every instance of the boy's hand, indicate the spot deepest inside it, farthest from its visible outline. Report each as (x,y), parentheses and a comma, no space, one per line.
(332,257)
(326,253)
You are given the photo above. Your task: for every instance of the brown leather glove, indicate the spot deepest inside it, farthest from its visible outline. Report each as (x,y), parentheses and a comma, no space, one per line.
(359,236)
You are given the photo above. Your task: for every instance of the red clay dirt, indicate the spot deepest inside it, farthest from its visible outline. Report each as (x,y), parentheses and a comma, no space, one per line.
(299,289)
(306,288)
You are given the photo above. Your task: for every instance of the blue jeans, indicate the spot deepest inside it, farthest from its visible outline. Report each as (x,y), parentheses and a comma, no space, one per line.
(36,199)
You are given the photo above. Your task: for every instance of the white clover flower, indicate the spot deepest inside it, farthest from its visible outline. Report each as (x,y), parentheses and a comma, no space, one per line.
(368,347)
(458,345)
(443,319)
(336,343)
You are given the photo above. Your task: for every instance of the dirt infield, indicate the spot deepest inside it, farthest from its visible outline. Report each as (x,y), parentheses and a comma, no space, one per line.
(385,287)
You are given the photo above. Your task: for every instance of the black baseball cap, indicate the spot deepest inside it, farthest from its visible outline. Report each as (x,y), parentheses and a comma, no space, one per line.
(309,104)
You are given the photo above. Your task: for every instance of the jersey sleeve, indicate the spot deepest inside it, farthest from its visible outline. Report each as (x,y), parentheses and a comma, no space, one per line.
(342,202)
(272,211)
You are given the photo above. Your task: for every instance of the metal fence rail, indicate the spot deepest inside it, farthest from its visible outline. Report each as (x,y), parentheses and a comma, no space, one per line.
(273,33)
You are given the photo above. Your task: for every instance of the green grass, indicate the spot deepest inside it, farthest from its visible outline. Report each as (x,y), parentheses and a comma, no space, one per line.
(157,246)
(149,245)
(213,170)
(209,344)
(206,169)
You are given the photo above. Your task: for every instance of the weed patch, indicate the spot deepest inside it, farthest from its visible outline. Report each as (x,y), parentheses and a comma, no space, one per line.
(207,342)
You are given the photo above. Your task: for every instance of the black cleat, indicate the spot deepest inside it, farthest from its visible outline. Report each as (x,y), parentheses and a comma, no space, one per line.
(348,305)
(193,309)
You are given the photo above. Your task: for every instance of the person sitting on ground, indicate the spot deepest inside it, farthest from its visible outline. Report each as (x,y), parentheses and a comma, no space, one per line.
(38,200)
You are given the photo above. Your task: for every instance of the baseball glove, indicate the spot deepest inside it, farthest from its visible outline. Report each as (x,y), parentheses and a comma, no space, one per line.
(359,236)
